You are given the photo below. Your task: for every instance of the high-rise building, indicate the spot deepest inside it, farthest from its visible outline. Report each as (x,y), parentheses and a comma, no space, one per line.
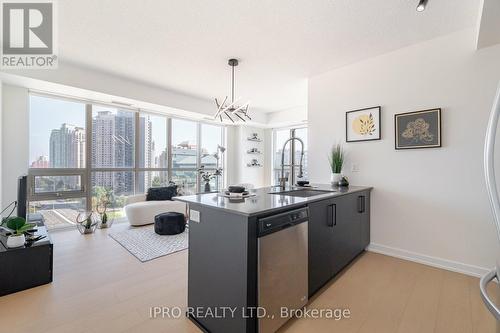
(40,162)
(184,155)
(67,147)
(113,136)
(103,128)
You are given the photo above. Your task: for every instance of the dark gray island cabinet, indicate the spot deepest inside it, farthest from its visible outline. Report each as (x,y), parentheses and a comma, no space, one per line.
(225,236)
(339,230)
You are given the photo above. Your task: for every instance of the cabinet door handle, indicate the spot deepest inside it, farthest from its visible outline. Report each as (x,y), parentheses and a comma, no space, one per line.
(332,215)
(361,204)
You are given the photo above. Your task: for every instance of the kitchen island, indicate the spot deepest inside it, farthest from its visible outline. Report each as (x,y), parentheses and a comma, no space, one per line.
(248,257)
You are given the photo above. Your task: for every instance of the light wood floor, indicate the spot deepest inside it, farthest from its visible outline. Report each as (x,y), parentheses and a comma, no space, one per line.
(99,287)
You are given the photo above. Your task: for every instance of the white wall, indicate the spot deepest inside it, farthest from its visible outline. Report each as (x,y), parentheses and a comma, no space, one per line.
(288,117)
(15,139)
(1,131)
(429,204)
(238,145)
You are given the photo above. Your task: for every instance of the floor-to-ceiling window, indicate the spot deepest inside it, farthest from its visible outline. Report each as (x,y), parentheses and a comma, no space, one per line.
(80,152)
(57,159)
(185,154)
(211,157)
(152,152)
(113,149)
(291,153)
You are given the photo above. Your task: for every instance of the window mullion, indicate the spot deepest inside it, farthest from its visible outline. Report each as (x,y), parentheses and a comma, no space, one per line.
(169,149)
(88,156)
(137,152)
(198,155)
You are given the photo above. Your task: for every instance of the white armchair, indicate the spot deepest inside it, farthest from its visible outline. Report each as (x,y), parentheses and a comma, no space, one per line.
(141,212)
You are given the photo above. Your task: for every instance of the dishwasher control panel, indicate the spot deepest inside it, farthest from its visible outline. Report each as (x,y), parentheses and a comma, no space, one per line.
(277,222)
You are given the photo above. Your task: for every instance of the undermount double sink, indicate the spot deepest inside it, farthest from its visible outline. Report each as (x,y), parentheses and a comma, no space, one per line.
(302,193)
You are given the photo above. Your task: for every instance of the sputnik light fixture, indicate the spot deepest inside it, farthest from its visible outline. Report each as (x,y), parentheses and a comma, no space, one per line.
(232,110)
(421,5)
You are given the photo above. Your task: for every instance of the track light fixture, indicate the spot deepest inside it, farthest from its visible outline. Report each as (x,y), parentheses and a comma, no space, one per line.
(421,5)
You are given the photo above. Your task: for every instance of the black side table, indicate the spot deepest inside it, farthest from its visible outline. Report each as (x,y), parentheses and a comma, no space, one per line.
(28,266)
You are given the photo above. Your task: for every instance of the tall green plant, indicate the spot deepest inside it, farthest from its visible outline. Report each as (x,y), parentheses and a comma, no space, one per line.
(337,158)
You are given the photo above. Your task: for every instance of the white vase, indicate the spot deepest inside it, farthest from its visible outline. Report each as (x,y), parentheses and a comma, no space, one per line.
(16,241)
(335,178)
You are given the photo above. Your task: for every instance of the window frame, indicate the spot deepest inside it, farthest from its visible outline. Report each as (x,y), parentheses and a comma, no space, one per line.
(87,172)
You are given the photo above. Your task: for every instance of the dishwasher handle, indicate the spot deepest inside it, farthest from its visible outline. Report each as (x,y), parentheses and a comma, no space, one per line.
(495,311)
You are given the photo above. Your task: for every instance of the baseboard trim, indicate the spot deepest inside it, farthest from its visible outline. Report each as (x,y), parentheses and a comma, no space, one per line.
(428,260)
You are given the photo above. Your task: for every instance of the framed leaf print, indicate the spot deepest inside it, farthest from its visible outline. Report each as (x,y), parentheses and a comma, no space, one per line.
(420,129)
(362,124)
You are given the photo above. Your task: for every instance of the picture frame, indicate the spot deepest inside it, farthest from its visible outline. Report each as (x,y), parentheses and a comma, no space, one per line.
(418,129)
(363,125)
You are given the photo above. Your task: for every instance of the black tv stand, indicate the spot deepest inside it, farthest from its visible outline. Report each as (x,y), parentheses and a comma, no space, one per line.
(28,266)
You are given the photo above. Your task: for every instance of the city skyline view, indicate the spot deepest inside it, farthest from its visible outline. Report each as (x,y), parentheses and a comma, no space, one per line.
(60,141)
(72,114)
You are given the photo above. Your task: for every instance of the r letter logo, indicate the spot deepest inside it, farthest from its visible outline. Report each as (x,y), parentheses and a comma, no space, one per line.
(28,35)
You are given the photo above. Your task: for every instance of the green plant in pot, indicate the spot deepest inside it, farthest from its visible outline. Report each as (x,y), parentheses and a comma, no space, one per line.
(336,159)
(104,218)
(19,226)
(86,222)
(103,198)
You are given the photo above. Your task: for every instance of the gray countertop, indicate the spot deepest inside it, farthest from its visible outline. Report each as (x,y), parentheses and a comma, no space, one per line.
(264,201)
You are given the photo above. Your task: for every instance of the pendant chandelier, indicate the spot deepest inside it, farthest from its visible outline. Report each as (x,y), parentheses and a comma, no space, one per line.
(232,110)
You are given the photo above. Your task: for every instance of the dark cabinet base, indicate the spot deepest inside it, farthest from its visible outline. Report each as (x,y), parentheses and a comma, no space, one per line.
(25,267)
(339,230)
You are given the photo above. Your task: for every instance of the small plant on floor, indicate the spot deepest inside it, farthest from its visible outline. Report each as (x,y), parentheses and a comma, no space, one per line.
(103,199)
(101,210)
(86,222)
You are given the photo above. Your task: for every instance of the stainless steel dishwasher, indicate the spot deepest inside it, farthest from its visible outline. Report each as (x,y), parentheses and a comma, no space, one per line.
(282,261)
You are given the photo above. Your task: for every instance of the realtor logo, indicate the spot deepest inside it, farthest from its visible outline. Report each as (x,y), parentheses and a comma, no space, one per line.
(28,34)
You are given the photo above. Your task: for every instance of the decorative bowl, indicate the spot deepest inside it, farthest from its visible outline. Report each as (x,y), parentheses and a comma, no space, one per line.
(236,189)
(86,222)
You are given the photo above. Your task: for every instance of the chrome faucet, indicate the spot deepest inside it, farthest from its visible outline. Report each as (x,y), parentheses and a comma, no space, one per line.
(284,179)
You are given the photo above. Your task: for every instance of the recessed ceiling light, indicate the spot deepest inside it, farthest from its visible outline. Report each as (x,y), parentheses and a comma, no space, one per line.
(421,5)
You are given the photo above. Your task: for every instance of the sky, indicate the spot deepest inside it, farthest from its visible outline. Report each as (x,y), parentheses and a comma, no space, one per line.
(48,113)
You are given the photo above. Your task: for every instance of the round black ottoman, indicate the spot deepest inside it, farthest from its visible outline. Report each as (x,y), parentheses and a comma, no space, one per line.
(171,223)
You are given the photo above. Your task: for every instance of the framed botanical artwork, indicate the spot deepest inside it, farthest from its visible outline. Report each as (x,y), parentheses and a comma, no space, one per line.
(362,125)
(420,129)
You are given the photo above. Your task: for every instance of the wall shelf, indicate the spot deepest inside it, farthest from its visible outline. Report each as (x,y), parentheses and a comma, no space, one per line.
(254,140)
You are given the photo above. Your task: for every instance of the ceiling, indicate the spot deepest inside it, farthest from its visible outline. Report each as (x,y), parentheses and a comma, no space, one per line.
(184,45)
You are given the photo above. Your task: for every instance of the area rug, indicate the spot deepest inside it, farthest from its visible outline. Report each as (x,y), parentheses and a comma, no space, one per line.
(146,245)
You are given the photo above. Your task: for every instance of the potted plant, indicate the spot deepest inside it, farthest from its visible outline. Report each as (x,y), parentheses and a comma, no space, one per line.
(336,158)
(102,209)
(18,226)
(208,176)
(86,222)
